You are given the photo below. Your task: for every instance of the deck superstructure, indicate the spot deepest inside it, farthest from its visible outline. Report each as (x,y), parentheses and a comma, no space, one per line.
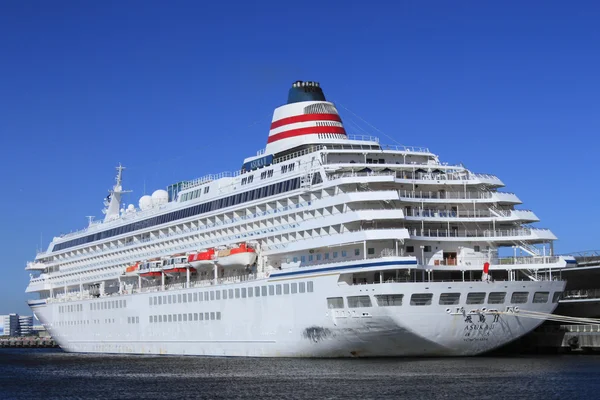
(322,244)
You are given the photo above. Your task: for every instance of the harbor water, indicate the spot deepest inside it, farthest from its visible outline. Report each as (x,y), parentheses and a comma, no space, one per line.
(53,374)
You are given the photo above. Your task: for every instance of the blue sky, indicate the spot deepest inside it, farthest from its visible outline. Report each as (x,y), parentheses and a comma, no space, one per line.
(176,90)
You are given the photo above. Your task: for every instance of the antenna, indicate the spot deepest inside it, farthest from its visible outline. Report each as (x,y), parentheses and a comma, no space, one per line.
(90,219)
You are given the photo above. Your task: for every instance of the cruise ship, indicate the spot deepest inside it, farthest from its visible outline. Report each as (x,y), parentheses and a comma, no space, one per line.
(321,245)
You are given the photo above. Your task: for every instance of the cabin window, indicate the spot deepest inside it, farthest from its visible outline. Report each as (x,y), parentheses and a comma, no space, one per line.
(263,291)
(476,298)
(389,300)
(371,251)
(556,297)
(179,298)
(185,317)
(448,299)
(309,286)
(286,288)
(201,317)
(301,287)
(335,254)
(170,317)
(335,302)
(427,249)
(257,291)
(519,297)
(410,249)
(196,297)
(212,295)
(310,257)
(318,257)
(218,295)
(231,293)
(195,316)
(327,256)
(421,299)
(278,289)
(243,293)
(184,298)
(224,294)
(295,259)
(359,301)
(189,296)
(476,249)
(237,293)
(271,290)
(212,315)
(496,297)
(218,315)
(344,254)
(294,288)
(250,292)
(206,296)
(540,297)
(357,252)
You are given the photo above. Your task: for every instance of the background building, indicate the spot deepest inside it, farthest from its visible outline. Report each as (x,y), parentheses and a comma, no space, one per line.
(9,325)
(25,325)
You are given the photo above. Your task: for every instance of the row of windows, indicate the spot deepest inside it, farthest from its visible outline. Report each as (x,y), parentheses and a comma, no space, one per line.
(251,195)
(108,305)
(257,291)
(195,194)
(335,254)
(133,320)
(70,308)
(446,299)
(189,317)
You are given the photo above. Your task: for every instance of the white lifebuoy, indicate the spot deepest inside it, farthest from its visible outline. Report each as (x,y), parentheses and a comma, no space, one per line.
(516,308)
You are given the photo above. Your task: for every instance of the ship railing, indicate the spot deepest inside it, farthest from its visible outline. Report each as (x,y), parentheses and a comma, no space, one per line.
(581,294)
(411,194)
(433,213)
(364,138)
(495,261)
(445,233)
(359,174)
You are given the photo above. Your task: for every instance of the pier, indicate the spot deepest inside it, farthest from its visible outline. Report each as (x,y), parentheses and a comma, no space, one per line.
(28,342)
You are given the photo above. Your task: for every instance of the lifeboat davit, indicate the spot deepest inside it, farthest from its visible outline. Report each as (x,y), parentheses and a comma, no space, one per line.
(240,256)
(151,268)
(202,258)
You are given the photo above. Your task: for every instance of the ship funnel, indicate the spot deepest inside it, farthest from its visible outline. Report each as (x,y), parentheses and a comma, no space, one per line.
(307,118)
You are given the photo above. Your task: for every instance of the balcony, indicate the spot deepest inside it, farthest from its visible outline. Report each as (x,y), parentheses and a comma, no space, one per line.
(470,196)
(531,234)
(480,215)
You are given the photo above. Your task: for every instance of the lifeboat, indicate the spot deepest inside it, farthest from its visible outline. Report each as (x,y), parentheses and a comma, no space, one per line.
(240,256)
(201,258)
(132,269)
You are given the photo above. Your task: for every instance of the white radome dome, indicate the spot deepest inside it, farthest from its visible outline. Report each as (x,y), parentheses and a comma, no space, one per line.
(160,197)
(130,208)
(145,202)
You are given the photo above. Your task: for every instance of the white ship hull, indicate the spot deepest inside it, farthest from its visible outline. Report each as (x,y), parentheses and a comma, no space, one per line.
(300,324)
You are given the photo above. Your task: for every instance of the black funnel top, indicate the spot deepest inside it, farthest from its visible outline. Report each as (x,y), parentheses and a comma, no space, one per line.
(305,91)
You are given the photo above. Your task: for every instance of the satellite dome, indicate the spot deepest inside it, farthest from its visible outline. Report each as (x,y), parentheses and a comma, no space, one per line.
(130,208)
(145,202)
(160,197)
